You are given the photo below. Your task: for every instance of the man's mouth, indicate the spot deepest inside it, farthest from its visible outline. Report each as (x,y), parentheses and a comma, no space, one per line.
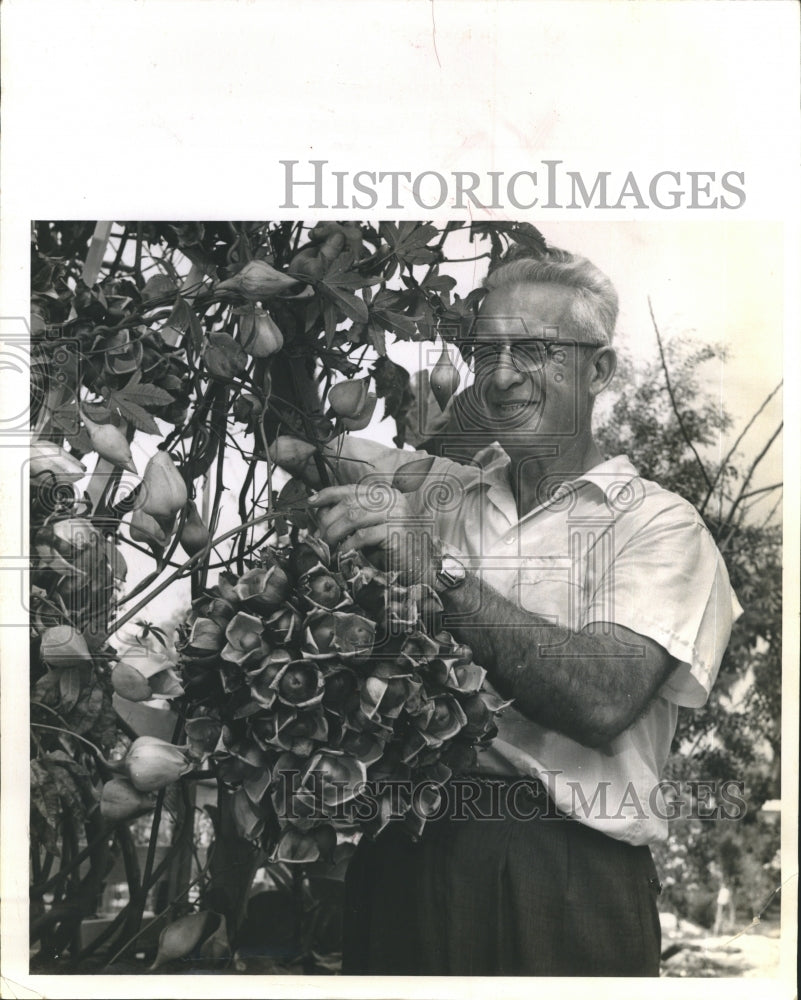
(513,406)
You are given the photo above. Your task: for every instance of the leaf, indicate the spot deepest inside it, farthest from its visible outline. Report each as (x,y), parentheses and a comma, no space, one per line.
(403,327)
(146,394)
(353,307)
(341,274)
(69,686)
(330,321)
(45,807)
(134,414)
(86,711)
(196,330)
(392,385)
(157,287)
(68,791)
(44,795)
(292,499)
(377,338)
(410,241)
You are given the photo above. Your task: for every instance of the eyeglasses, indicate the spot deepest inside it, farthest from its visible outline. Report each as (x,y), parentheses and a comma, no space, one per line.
(526,356)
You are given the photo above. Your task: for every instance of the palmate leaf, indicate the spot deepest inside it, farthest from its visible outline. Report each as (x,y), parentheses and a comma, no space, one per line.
(409,241)
(353,307)
(131,400)
(340,274)
(135,415)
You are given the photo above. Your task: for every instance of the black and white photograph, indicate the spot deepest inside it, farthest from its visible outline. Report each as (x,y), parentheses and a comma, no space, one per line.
(396,596)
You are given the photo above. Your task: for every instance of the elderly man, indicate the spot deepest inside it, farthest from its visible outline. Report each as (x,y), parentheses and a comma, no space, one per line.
(595,600)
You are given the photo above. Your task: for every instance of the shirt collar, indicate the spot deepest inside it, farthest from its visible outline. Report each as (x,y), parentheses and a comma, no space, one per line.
(611,476)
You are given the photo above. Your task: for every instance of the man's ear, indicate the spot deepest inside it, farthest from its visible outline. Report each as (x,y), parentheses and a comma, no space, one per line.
(603,365)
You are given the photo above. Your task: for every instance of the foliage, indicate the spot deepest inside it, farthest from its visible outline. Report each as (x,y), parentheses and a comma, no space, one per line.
(668,424)
(197,343)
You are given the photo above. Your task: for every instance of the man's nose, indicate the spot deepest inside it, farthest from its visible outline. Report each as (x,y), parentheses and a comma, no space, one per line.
(505,374)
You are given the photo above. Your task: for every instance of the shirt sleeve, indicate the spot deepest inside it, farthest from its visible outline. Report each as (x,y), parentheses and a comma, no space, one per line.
(668,582)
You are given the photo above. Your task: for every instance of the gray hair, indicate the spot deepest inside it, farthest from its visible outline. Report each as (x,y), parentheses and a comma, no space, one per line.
(592,313)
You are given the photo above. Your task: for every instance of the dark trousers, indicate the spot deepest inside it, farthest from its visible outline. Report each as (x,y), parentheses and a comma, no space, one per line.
(546,896)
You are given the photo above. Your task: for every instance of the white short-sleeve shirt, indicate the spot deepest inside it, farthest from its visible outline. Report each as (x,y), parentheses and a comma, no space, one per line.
(608,548)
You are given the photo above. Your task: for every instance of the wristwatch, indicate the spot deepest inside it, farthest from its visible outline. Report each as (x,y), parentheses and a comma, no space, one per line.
(450,575)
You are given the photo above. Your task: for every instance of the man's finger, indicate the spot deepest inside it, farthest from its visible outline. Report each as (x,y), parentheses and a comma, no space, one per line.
(331,495)
(345,518)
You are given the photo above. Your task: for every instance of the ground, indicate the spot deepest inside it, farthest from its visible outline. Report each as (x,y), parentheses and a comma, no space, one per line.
(699,953)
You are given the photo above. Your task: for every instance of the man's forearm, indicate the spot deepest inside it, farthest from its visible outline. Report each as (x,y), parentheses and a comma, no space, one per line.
(589,687)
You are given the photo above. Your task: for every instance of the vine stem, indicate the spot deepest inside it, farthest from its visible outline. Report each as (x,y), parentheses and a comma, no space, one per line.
(186,567)
(75,736)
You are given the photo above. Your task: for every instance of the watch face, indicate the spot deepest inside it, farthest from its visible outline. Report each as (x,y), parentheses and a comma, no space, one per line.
(452,572)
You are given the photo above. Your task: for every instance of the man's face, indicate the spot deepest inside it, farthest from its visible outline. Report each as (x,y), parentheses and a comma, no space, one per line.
(531,379)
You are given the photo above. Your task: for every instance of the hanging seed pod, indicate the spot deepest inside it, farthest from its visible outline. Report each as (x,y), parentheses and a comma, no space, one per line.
(363,419)
(263,337)
(348,399)
(50,463)
(194,535)
(130,683)
(258,280)
(163,487)
(182,936)
(145,528)
(110,443)
(64,646)
(444,379)
(152,763)
(223,357)
(119,800)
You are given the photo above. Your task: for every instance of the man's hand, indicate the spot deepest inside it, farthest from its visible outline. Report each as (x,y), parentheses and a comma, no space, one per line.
(377,518)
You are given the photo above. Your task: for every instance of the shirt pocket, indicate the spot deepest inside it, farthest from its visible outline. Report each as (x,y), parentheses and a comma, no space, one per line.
(547,586)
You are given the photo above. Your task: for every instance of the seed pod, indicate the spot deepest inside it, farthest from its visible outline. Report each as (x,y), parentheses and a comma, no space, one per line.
(333,246)
(444,379)
(152,763)
(258,280)
(145,528)
(308,264)
(292,454)
(163,487)
(182,936)
(194,535)
(130,683)
(263,338)
(110,443)
(119,800)
(323,231)
(49,462)
(64,646)
(245,408)
(363,419)
(348,399)
(223,357)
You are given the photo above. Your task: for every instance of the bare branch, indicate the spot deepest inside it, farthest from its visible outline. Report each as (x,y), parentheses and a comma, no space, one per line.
(742,494)
(736,444)
(673,402)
